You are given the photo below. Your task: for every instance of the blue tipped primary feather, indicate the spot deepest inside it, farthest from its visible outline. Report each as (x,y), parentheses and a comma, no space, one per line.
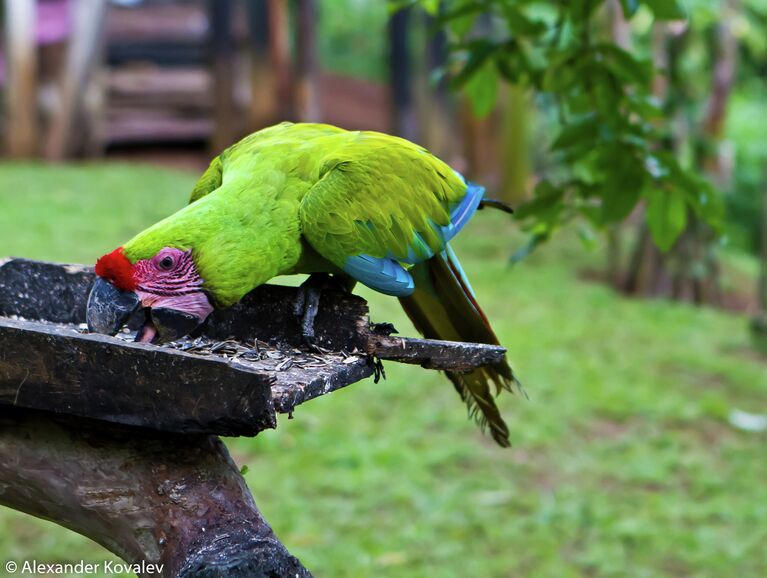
(460,214)
(388,276)
(380,274)
(464,211)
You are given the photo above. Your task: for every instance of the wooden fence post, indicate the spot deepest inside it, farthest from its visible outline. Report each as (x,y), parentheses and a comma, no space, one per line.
(222,68)
(307,103)
(85,48)
(21,91)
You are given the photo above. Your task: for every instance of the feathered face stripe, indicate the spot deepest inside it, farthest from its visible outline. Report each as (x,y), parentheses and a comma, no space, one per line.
(170,272)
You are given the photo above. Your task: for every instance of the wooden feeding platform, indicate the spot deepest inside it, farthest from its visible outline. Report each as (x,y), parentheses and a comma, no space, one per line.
(117,440)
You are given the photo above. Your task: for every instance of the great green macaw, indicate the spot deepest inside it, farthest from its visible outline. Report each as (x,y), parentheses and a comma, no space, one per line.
(310,198)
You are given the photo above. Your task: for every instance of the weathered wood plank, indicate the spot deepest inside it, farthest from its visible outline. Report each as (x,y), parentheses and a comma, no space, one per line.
(54,368)
(436,354)
(58,292)
(51,366)
(51,291)
(247,366)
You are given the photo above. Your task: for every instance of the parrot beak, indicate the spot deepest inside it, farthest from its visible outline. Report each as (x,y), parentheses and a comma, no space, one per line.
(109,308)
(164,324)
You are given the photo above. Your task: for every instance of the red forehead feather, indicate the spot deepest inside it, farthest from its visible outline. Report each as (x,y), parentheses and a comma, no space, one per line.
(116,268)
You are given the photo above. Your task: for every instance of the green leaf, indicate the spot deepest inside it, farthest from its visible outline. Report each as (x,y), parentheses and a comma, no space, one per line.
(666,216)
(587,235)
(520,23)
(563,70)
(580,10)
(482,90)
(462,18)
(667,9)
(479,52)
(626,65)
(524,251)
(629,7)
(585,128)
(431,7)
(466,9)
(547,200)
(646,106)
(619,201)
(508,69)
(395,6)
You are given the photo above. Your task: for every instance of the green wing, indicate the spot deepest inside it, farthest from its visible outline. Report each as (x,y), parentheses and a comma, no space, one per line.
(209,181)
(382,197)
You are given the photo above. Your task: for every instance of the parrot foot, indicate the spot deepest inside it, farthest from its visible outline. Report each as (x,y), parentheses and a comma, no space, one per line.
(307,303)
(379,371)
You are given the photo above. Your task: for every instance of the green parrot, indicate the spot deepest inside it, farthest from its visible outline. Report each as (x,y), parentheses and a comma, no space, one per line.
(310,198)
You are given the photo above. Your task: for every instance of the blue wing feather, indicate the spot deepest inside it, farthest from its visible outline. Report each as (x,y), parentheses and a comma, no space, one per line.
(386,275)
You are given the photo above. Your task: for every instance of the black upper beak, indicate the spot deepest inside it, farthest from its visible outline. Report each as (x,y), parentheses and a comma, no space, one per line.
(109,308)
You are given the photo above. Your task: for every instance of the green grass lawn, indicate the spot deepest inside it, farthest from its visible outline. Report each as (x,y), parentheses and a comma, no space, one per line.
(623,463)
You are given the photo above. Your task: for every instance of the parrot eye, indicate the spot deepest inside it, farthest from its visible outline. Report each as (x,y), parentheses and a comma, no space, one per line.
(166,263)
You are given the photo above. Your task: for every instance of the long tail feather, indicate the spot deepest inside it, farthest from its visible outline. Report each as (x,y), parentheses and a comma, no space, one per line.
(443,306)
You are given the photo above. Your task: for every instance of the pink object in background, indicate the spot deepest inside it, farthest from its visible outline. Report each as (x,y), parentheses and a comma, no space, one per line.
(54,24)
(53,21)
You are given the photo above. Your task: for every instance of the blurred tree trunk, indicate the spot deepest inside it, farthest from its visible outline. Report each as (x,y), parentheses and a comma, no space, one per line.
(404,122)
(690,270)
(222,67)
(71,130)
(762,289)
(482,137)
(704,272)
(21,83)
(279,50)
(514,151)
(483,144)
(437,130)
(263,90)
(306,89)
(647,274)
(759,320)
(620,33)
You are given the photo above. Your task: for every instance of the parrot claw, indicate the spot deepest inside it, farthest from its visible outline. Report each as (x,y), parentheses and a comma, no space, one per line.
(378,369)
(307,304)
(305,308)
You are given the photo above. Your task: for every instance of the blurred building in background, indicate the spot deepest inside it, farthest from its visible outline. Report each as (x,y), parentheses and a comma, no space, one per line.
(84,78)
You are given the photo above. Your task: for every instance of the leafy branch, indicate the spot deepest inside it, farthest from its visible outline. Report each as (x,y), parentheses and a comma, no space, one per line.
(609,141)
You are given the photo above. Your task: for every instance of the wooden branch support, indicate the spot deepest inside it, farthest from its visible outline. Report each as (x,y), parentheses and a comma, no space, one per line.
(175,501)
(436,354)
(166,491)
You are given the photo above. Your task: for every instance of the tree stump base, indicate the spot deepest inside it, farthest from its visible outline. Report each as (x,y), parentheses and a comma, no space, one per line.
(117,440)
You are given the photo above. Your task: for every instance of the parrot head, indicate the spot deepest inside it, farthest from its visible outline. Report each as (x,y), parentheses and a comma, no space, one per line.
(168,287)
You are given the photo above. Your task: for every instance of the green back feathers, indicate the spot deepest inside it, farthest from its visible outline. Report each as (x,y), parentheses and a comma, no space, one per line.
(346,192)
(378,195)
(300,198)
